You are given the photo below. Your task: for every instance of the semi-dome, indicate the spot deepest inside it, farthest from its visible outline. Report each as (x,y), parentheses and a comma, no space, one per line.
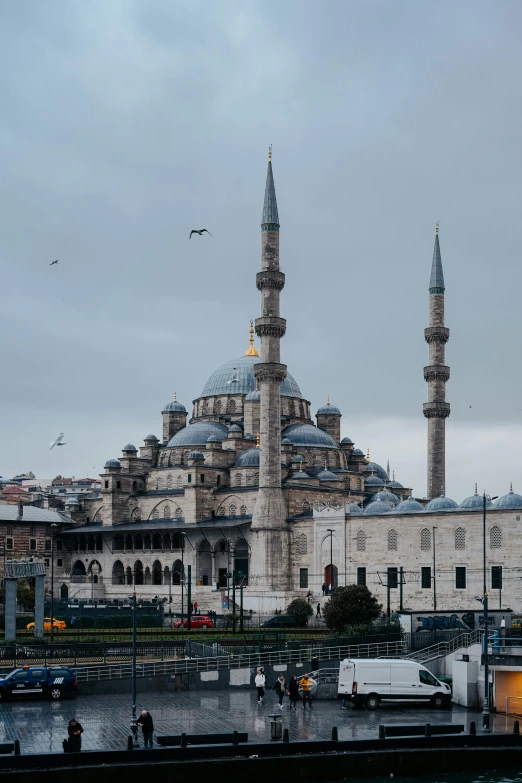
(253,395)
(386,497)
(235,428)
(394,484)
(475,501)
(511,500)
(374,481)
(151,437)
(129,447)
(346,440)
(373,467)
(308,435)
(408,506)
(357,453)
(112,463)
(237,377)
(355,510)
(198,433)
(327,409)
(441,504)
(175,406)
(378,507)
(327,475)
(196,455)
(214,439)
(72,502)
(248,459)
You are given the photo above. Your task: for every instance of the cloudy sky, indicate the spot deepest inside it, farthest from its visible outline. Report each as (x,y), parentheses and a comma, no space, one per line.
(126,123)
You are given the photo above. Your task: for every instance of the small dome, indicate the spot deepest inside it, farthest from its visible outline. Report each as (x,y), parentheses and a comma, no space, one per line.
(249,459)
(298,458)
(151,437)
(387,497)
(374,481)
(300,475)
(253,395)
(72,502)
(214,439)
(234,428)
(346,440)
(394,484)
(441,504)
(355,510)
(174,406)
(328,408)
(286,442)
(327,475)
(308,435)
(237,377)
(373,467)
(248,436)
(357,453)
(112,463)
(408,506)
(198,433)
(196,455)
(129,447)
(475,501)
(378,507)
(511,500)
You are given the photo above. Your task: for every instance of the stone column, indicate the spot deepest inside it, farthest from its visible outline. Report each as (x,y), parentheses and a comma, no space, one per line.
(39,599)
(10,609)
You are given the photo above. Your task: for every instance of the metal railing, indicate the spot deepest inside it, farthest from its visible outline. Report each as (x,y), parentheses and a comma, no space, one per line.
(447,647)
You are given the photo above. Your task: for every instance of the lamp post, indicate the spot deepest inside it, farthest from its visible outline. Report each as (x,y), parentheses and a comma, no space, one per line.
(53,528)
(329,530)
(434,572)
(134,724)
(485,711)
(182,574)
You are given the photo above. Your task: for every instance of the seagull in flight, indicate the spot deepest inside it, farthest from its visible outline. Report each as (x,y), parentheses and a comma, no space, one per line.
(54,262)
(198,231)
(57,442)
(235,379)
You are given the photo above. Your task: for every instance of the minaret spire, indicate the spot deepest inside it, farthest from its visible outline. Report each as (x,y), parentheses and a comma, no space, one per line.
(437,373)
(270,536)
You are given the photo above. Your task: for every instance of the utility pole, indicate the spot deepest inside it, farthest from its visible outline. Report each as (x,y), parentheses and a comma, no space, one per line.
(329,530)
(241,606)
(53,528)
(182,580)
(134,724)
(401,575)
(434,573)
(189,596)
(234,601)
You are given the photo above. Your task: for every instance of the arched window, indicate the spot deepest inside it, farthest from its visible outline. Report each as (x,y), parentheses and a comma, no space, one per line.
(177,572)
(361,541)
(178,514)
(138,572)
(118,573)
(237,479)
(155,513)
(148,576)
(495,536)
(98,516)
(221,511)
(179,482)
(99,544)
(302,544)
(169,481)
(243,510)
(78,571)
(218,406)
(64,593)
(392,540)
(159,483)
(157,573)
(256,477)
(136,513)
(134,486)
(460,538)
(128,575)
(425,539)
(166,512)
(306,505)
(232,511)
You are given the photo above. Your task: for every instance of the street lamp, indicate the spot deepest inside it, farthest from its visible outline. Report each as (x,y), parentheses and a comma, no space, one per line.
(329,530)
(434,572)
(53,528)
(134,723)
(485,711)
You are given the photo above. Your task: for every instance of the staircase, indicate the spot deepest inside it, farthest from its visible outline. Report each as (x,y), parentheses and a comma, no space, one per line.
(442,649)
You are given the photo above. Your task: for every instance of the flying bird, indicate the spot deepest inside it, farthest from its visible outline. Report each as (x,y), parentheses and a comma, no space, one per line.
(235,379)
(198,231)
(53,263)
(57,442)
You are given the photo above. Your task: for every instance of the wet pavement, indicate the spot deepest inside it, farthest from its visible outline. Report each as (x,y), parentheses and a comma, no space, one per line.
(42,725)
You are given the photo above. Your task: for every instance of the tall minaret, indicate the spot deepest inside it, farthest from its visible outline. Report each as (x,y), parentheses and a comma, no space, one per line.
(436,374)
(270,536)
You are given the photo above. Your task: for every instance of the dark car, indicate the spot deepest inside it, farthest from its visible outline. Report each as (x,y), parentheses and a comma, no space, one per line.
(281,621)
(49,682)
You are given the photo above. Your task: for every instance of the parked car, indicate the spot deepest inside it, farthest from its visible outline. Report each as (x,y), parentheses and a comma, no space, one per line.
(369,681)
(281,621)
(37,681)
(196,621)
(60,624)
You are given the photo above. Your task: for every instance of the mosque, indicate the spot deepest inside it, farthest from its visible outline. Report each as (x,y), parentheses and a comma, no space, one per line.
(249,488)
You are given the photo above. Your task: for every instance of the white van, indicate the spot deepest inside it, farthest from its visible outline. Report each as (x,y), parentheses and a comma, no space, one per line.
(368,681)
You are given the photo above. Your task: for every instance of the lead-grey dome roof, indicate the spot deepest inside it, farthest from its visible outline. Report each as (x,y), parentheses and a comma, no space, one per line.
(355,509)
(395,484)
(327,475)
(112,463)
(253,395)
(234,428)
(72,502)
(475,501)
(300,475)
(129,447)
(347,440)
(248,459)
(196,455)
(408,506)
(308,435)
(151,437)
(511,500)
(328,408)
(297,458)
(198,433)
(174,405)
(386,497)
(374,481)
(237,377)
(441,504)
(378,507)
(286,442)
(373,467)
(358,453)
(214,439)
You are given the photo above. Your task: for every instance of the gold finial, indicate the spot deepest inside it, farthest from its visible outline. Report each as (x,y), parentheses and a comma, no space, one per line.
(328,401)
(175,397)
(368,455)
(437,227)
(257,440)
(270,154)
(251,351)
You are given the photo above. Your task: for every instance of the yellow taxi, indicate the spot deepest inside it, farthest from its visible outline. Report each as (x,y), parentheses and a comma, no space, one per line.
(60,624)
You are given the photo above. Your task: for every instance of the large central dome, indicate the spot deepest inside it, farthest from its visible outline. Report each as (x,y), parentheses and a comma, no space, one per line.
(237,377)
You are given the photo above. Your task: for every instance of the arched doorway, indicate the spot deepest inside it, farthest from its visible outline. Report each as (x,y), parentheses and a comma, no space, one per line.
(118,573)
(64,593)
(138,572)
(156,572)
(78,572)
(177,572)
(331,576)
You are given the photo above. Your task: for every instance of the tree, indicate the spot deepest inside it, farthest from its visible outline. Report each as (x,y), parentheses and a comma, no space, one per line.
(25,594)
(300,610)
(350,605)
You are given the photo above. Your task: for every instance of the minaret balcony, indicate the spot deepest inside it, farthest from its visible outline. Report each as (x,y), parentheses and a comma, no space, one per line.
(272,280)
(437,372)
(436,410)
(270,326)
(269,371)
(436,334)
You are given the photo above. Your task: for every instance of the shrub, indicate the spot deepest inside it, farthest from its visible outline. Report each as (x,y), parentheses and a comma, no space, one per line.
(300,610)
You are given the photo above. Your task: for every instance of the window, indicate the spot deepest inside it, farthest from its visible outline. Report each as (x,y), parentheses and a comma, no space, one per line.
(243,511)
(495,537)
(427,678)
(222,546)
(169,481)
(218,406)
(47,562)
(426,577)
(392,540)
(218,481)
(37,674)
(460,538)
(189,478)
(460,577)
(32,530)
(20,676)
(118,484)
(9,543)
(32,544)
(178,514)
(179,482)
(155,513)
(302,544)
(425,539)
(202,478)
(237,478)
(106,484)
(361,575)
(48,543)
(166,512)
(59,562)
(496,577)
(393,580)
(303,577)
(361,541)
(232,510)
(59,546)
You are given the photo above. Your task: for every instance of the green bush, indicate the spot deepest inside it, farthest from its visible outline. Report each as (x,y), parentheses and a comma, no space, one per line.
(300,610)
(351,606)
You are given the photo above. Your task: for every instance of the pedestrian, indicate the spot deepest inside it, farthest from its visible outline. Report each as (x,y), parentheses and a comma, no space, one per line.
(74,741)
(309,596)
(280,688)
(318,610)
(330,589)
(260,685)
(195,607)
(293,692)
(147,726)
(306,685)
(324,589)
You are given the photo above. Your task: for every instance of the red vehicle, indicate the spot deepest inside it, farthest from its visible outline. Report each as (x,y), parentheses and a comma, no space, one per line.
(196,621)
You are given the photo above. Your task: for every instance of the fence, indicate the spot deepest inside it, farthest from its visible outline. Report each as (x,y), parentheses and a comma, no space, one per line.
(12,655)
(446,647)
